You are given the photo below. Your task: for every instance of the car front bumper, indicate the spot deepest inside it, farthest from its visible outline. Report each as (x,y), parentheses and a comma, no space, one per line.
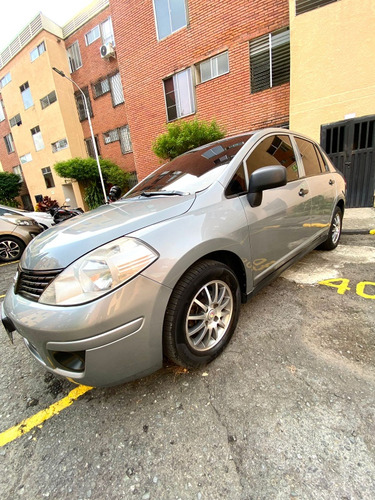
(114,339)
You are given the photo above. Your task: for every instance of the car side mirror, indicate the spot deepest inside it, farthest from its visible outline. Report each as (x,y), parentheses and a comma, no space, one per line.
(265,178)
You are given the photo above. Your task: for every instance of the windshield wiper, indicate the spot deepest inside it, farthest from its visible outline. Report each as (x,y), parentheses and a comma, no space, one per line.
(163,193)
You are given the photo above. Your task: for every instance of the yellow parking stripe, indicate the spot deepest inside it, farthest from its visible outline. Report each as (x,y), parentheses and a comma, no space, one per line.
(9,263)
(372,231)
(29,423)
(2,296)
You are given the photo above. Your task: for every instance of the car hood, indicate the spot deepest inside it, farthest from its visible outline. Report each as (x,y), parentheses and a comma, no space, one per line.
(61,245)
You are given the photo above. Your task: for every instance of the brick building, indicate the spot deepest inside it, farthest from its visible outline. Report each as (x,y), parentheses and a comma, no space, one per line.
(192,58)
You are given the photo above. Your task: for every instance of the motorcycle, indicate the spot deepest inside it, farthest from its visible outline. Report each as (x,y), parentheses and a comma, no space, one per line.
(64,212)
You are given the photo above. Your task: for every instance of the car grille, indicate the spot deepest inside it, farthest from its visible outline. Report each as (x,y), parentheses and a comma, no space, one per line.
(31,284)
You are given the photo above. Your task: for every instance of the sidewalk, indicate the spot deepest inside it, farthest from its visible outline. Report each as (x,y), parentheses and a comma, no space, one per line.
(359,221)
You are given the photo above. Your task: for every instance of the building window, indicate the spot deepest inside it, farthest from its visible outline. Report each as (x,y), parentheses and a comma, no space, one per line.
(90,148)
(37,138)
(213,67)
(34,54)
(48,99)
(26,158)
(116,89)
(18,171)
(74,56)
(16,120)
(9,143)
(270,60)
(92,35)
(5,80)
(101,87)
(106,29)
(2,114)
(48,178)
(170,16)
(179,95)
(81,104)
(121,134)
(59,145)
(303,6)
(26,95)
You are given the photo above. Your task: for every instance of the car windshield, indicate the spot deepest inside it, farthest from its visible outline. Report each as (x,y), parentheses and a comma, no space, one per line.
(191,172)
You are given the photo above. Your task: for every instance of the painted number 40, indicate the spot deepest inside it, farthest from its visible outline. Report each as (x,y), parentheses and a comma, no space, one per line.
(363,289)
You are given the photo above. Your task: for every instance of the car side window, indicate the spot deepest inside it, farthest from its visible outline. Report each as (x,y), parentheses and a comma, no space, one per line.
(274,150)
(322,162)
(237,185)
(309,157)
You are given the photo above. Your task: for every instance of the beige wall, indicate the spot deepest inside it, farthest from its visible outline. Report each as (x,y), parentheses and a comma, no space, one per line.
(332,64)
(57,121)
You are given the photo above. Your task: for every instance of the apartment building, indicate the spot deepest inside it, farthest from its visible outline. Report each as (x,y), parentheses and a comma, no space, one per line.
(47,114)
(227,60)
(333,86)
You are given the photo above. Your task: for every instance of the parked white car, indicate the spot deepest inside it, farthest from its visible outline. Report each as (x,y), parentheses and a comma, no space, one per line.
(42,218)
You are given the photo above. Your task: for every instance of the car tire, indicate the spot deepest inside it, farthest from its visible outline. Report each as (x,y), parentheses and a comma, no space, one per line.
(11,248)
(202,314)
(334,231)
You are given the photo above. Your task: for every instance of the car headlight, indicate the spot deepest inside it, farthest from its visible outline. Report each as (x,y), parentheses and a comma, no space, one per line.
(99,272)
(24,222)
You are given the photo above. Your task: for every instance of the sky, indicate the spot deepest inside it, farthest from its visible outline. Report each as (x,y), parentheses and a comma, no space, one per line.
(16,14)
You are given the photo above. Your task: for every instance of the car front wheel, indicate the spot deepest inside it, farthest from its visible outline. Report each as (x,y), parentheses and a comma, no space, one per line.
(11,248)
(202,314)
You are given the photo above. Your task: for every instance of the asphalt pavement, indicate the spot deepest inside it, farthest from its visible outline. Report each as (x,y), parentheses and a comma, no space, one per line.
(286,412)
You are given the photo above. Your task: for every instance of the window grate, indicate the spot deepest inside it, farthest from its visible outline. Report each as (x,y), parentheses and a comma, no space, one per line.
(303,6)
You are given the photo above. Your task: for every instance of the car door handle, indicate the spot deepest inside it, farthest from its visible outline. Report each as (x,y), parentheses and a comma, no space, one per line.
(302,192)
(331,181)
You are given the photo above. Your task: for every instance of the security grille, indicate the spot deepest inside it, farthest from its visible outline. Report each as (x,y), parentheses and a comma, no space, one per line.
(116,88)
(16,120)
(48,99)
(125,141)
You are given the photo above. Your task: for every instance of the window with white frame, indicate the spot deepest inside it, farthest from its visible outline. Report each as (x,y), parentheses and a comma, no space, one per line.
(59,145)
(81,108)
(26,95)
(2,114)
(15,120)
(48,99)
(37,138)
(9,143)
(270,60)
(179,96)
(48,177)
(35,53)
(5,80)
(18,171)
(303,6)
(213,67)
(26,158)
(106,29)
(74,56)
(92,35)
(121,134)
(170,16)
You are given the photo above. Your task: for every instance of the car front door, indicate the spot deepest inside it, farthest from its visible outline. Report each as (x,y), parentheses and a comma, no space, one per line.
(279,226)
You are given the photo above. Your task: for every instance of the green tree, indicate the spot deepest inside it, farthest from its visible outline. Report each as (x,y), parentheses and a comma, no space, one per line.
(10,187)
(181,136)
(85,171)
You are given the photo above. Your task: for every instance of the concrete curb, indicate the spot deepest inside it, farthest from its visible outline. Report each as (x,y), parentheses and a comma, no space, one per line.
(358,231)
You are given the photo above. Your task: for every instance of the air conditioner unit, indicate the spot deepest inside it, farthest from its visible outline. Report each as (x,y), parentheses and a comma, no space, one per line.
(107,51)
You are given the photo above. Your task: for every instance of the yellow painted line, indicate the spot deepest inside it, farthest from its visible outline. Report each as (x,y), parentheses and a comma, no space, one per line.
(2,296)
(316,224)
(372,231)
(38,419)
(9,263)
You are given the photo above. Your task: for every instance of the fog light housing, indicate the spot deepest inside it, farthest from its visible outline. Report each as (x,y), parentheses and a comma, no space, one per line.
(73,361)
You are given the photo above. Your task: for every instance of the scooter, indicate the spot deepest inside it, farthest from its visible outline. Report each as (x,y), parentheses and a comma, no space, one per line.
(64,212)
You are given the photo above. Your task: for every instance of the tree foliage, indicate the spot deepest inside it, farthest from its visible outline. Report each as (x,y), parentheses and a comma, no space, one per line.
(181,136)
(10,187)
(85,170)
